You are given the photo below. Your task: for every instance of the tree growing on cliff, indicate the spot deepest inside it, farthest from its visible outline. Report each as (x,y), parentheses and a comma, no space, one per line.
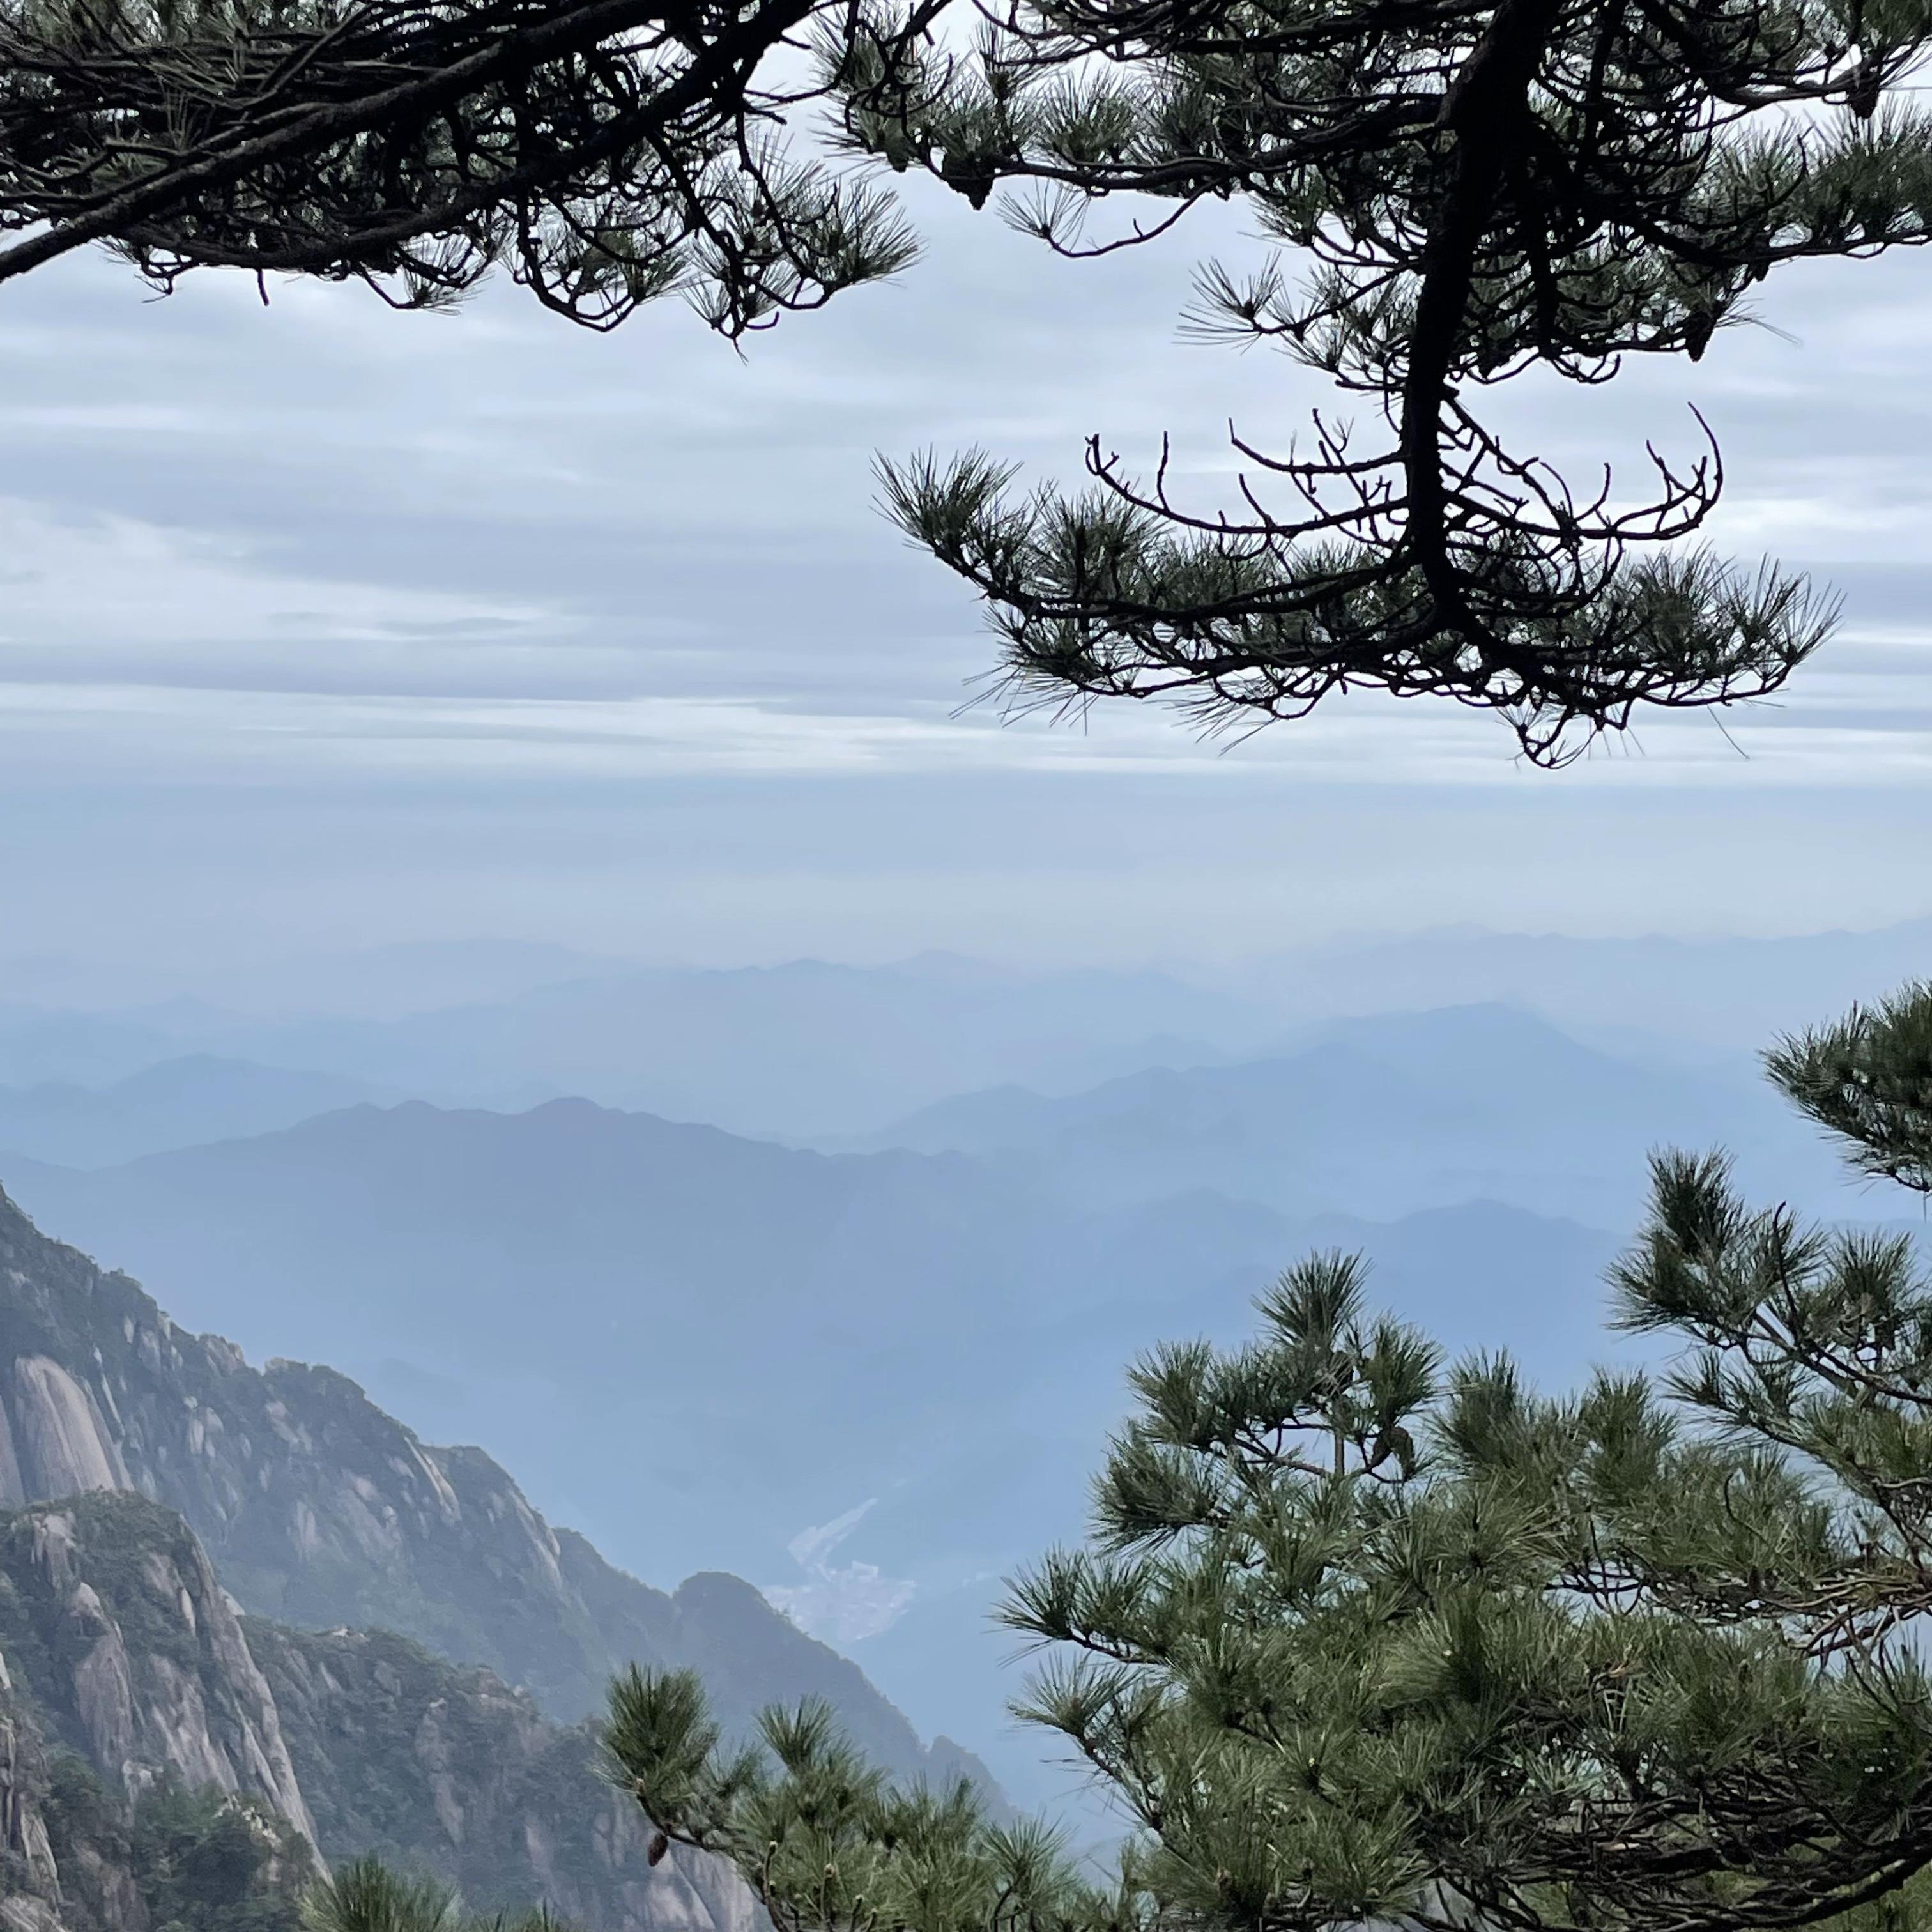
(212,1861)
(1477,189)
(1355,1638)
(366,1895)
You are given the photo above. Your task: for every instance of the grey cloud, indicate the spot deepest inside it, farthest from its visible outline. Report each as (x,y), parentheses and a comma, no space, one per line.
(500,627)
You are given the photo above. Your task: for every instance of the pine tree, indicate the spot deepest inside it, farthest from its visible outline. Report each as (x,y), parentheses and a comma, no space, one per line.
(365,1895)
(1867,1081)
(1462,192)
(1459,193)
(604,152)
(1358,1636)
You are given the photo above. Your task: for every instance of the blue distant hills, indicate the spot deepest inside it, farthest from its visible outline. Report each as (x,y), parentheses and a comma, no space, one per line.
(869,1360)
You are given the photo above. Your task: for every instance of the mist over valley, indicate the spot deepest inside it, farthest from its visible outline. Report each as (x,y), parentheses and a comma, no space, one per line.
(866,1360)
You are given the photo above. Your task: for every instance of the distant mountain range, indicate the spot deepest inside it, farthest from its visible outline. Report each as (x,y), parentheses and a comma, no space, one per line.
(874,1381)
(1383,1116)
(803,1049)
(813,1050)
(872,1375)
(384,981)
(1726,995)
(174,1103)
(605,1298)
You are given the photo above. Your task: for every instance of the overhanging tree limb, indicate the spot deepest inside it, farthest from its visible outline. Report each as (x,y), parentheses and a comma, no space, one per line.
(607,151)
(1477,190)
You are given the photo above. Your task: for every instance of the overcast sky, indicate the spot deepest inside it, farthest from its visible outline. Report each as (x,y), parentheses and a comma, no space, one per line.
(327,626)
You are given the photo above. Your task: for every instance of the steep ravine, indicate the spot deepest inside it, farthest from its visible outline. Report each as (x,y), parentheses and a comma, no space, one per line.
(318,1509)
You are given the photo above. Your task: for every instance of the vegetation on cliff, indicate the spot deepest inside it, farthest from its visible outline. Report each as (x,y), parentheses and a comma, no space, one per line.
(149,1736)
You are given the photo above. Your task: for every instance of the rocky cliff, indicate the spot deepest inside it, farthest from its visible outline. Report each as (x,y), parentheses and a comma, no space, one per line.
(437,1766)
(127,1674)
(319,1510)
(127,1687)
(30,1875)
(254,1586)
(111,1615)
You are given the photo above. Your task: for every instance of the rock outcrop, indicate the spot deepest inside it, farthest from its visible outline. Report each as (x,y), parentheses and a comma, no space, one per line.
(399,1656)
(313,1504)
(124,1672)
(440,1767)
(30,1888)
(319,1510)
(121,1654)
(110,1613)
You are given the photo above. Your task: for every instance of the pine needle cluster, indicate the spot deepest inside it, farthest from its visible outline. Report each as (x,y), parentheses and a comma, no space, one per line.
(604,152)
(366,1895)
(1459,193)
(1357,1635)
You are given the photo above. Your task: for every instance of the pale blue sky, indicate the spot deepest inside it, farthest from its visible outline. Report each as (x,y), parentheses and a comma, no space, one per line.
(327,626)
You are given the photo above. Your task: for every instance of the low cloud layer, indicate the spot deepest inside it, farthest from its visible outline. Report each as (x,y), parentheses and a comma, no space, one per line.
(840,1604)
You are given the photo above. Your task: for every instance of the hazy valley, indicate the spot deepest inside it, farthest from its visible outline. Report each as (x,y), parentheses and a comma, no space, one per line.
(869,1374)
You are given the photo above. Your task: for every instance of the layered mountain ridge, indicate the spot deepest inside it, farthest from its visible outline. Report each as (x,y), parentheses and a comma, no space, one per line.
(318,1508)
(419,1649)
(706,1351)
(870,1379)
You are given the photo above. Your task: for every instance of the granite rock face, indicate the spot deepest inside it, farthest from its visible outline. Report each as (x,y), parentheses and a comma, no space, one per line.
(433,1765)
(313,1504)
(319,1510)
(110,1612)
(400,1654)
(30,1876)
(119,1651)
(122,1660)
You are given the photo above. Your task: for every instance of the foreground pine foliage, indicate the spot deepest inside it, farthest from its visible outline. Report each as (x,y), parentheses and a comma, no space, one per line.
(1357,1634)
(366,1895)
(1452,195)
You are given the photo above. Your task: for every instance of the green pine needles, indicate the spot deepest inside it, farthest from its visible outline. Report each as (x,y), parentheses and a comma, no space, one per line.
(606,153)
(825,1839)
(1868,1082)
(1455,194)
(365,1895)
(1359,1635)
(1459,193)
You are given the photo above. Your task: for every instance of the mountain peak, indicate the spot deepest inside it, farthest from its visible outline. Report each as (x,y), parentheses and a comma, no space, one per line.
(318,1508)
